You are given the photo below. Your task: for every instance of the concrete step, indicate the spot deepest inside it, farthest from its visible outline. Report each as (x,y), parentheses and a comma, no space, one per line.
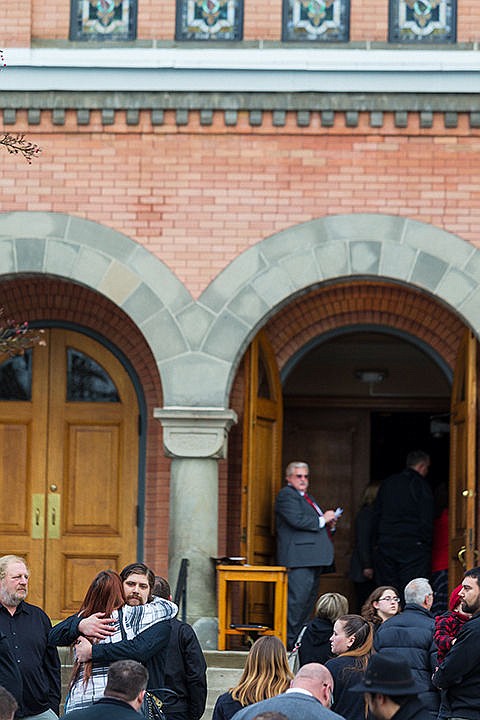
(223,672)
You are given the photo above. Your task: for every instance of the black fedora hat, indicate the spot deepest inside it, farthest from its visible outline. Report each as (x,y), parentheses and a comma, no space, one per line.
(389,675)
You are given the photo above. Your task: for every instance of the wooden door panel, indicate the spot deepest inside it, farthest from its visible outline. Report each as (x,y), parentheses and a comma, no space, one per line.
(15,515)
(92,452)
(78,571)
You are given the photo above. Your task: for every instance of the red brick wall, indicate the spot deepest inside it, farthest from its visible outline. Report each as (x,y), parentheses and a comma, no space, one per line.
(39,298)
(197,197)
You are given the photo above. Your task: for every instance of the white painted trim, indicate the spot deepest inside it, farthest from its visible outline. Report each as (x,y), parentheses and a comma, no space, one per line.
(243,70)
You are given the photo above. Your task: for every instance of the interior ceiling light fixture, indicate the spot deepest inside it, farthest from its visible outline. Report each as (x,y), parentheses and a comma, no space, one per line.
(371,376)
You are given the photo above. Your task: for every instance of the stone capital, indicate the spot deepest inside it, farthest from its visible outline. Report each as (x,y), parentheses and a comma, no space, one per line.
(195,432)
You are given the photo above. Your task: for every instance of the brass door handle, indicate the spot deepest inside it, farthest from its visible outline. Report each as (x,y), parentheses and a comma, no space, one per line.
(53,516)
(38,516)
(461,556)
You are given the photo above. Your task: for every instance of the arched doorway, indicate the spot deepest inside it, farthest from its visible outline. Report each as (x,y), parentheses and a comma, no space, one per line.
(355,404)
(69,472)
(367,374)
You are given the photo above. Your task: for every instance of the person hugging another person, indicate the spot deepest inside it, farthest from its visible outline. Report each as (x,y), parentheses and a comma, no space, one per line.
(351,643)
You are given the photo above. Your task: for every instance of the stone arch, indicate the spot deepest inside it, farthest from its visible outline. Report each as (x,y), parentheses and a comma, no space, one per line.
(347,248)
(104,260)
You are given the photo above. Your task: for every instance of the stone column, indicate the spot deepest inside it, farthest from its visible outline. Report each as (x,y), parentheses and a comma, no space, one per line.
(195,439)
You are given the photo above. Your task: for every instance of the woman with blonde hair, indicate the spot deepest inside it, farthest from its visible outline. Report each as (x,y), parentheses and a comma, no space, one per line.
(351,643)
(266,674)
(381,604)
(315,642)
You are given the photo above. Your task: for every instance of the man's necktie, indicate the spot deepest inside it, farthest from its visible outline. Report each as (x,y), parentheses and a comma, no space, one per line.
(314,505)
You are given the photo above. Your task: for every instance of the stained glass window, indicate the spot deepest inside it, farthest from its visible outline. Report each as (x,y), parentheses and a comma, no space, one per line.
(324,20)
(16,377)
(103,20)
(423,21)
(209,20)
(87,381)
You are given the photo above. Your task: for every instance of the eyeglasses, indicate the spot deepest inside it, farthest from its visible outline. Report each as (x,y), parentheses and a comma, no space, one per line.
(298,475)
(388,598)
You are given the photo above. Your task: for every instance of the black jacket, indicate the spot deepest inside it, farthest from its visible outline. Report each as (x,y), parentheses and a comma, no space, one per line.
(409,636)
(27,632)
(148,647)
(459,673)
(362,555)
(185,673)
(412,710)
(225,707)
(107,708)
(346,673)
(315,645)
(403,513)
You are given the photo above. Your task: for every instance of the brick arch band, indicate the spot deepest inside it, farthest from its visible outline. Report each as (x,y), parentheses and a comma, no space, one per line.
(409,312)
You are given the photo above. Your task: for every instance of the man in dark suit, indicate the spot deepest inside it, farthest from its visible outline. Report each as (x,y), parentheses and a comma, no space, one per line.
(303,545)
(309,698)
(123,696)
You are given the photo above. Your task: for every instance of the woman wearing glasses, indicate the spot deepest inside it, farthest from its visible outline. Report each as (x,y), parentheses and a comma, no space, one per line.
(382,604)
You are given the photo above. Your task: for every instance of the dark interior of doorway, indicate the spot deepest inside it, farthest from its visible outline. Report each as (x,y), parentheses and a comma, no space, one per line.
(394,434)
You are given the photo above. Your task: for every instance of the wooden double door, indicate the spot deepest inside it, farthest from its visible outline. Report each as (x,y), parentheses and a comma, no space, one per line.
(68,466)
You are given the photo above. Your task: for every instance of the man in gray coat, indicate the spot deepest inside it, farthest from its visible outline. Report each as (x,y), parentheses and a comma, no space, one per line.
(303,545)
(309,698)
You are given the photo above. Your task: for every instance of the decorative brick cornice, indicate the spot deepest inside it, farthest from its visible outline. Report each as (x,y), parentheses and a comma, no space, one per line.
(309,109)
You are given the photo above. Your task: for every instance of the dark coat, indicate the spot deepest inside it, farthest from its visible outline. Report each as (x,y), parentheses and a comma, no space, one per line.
(185,673)
(225,707)
(459,673)
(300,540)
(412,710)
(107,708)
(404,511)
(315,645)
(362,555)
(409,636)
(345,674)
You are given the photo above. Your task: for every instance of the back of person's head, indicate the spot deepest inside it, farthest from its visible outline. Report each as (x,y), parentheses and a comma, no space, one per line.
(362,632)
(331,605)
(370,493)
(139,568)
(369,611)
(317,679)
(8,704)
(415,457)
(416,590)
(126,679)
(105,594)
(162,588)
(266,672)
